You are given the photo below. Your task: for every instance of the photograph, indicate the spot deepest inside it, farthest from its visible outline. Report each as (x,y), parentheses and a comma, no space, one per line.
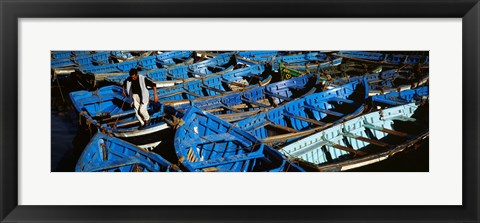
(239,111)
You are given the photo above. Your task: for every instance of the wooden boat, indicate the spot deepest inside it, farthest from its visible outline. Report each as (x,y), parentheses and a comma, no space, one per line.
(106,153)
(121,56)
(257,55)
(117,72)
(207,143)
(337,71)
(61,54)
(361,141)
(239,105)
(212,85)
(289,71)
(384,58)
(147,62)
(309,114)
(108,111)
(293,60)
(214,65)
(385,82)
(169,76)
(168,59)
(401,97)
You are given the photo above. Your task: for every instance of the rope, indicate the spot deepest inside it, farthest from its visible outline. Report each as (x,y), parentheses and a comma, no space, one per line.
(115,123)
(60,89)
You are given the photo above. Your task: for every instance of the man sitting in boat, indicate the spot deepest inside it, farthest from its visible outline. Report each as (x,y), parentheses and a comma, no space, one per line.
(136,87)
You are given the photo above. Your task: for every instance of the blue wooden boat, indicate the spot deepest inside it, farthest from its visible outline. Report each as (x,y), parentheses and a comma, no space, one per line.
(207,143)
(61,54)
(99,58)
(214,65)
(168,59)
(239,105)
(106,153)
(80,53)
(212,85)
(63,62)
(258,54)
(361,141)
(177,74)
(385,82)
(384,58)
(147,63)
(108,111)
(288,70)
(299,60)
(64,59)
(401,97)
(309,114)
(120,56)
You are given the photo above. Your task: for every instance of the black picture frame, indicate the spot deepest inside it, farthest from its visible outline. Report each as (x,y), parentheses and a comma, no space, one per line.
(11,11)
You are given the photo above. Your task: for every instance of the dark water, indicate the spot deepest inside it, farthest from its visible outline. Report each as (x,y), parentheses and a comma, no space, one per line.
(69,139)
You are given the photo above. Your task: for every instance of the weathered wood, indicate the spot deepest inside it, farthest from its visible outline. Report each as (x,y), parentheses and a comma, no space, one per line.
(285,128)
(371,141)
(326,111)
(315,122)
(277,96)
(246,100)
(348,149)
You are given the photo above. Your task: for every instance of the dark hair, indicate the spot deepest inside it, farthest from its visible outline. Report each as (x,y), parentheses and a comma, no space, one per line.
(133,71)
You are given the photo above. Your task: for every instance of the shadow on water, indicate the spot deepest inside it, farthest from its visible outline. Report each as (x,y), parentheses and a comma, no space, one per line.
(68,139)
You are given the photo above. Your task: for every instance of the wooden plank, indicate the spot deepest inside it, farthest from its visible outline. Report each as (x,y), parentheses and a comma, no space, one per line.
(213,89)
(348,149)
(326,111)
(230,108)
(389,131)
(191,93)
(125,123)
(285,128)
(277,96)
(315,122)
(254,102)
(361,138)
(235,83)
(238,116)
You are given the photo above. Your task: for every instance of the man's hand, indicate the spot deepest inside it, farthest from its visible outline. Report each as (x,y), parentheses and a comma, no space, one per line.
(155,98)
(124,93)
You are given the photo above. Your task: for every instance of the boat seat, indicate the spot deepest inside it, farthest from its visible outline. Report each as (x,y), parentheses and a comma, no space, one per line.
(361,138)
(213,89)
(227,160)
(304,119)
(267,92)
(347,149)
(326,111)
(337,99)
(382,129)
(254,102)
(124,123)
(225,137)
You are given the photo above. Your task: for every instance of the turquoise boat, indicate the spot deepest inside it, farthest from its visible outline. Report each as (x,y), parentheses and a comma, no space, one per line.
(367,139)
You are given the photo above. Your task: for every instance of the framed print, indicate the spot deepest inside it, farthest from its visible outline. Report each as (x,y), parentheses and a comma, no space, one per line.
(194,94)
